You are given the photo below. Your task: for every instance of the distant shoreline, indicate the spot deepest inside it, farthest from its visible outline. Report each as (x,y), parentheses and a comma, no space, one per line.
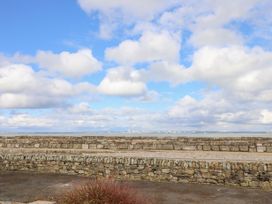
(186,134)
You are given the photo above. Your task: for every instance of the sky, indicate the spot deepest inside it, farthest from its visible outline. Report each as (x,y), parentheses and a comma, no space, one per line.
(135,66)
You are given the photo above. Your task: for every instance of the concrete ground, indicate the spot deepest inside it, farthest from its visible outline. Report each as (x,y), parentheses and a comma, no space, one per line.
(24,187)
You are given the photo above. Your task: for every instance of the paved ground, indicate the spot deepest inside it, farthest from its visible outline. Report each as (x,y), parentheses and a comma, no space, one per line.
(171,154)
(28,187)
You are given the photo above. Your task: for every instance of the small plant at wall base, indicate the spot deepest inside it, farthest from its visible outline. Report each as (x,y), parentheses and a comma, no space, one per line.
(103,192)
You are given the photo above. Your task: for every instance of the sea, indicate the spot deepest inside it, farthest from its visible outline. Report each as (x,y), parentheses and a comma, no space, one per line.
(143,134)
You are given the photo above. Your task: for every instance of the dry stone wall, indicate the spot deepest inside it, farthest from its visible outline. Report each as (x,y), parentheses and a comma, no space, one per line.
(243,144)
(39,154)
(249,174)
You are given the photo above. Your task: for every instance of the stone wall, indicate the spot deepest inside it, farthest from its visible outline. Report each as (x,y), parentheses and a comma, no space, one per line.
(251,174)
(243,144)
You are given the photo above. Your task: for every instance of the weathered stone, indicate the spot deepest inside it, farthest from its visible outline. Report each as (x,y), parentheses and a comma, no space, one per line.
(148,143)
(206,147)
(261,148)
(243,148)
(224,148)
(215,148)
(253,184)
(252,149)
(269,149)
(189,148)
(85,146)
(42,202)
(233,148)
(166,171)
(99,146)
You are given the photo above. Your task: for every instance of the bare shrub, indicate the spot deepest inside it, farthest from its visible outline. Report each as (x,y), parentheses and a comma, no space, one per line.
(103,192)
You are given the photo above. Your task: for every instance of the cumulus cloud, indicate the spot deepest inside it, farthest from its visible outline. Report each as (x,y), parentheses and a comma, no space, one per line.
(69,64)
(139,9)
(202,111)
(123,12)
(122,81)
(216,111)
(244,72)
(266,116)
(154,37)
(22,87)
(84,118)
(166,71)
(150,47)
(207,20)
(213,112)
(218,37)
(26,120)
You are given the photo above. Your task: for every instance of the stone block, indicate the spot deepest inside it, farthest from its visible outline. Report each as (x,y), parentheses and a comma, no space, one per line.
(199,147)
(122,146)
(92,146)
(42,202)
(269,149)
(206,147)
(215,148)
(243,148)
(234,148)
(166,171)
(37,145)
(167,147)
(253,184)
(177,147)
(99,146)
(85,146)
(252,149)
(77,146)
(189,148)
(260,148)
(224,148)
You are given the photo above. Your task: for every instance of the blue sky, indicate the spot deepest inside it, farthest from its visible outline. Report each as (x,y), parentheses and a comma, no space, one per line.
(153,65)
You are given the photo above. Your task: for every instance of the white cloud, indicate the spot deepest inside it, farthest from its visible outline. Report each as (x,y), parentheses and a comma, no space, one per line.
(242,72)
(130,10)
(207,20)
(16,78)
(150,47)
(69,64)
(26,120)
(165,71)
(266,116)
(219,12)
(215,37)
(10,100)
(84,118)
(204,29)
(113,14)
(122,81)
(21,87)
(82,108)
(213,112)
(199,111)
(219,113)
(260,19)
(3,60)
